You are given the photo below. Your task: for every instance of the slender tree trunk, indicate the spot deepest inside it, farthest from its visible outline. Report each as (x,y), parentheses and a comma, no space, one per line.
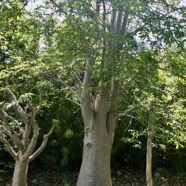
(151,124)
(20,173)
(149,158)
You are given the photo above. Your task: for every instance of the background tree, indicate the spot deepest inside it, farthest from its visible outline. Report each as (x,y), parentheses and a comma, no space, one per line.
(19,69)
(19,132)
(156,126)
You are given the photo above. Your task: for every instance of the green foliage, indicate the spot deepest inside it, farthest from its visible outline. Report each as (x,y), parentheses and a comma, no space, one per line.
(64,161)
(25,97)
(68,133)
(43,52)
(6,163)
(6,166)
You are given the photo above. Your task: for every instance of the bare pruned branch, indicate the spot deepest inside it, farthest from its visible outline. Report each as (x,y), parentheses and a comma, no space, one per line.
(119,21)
(43,145)
(18,124)
(113,18)
(124,24)
(41,94)
(87,82)
(8,146)
(33,142)
(8,130)
(17,107)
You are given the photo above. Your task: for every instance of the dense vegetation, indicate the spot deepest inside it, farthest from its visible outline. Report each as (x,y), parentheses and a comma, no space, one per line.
(109,73)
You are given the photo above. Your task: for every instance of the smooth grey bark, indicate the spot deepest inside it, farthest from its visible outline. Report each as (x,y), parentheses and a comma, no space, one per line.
(151,122)
(149,159)
(20,172)
(23,160)
(98,132)
(98,140)
(99,111)
(95,168)
(22,138)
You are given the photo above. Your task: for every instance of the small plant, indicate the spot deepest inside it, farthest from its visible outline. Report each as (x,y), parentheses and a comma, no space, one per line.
(64,160)
(5,166)
(66,181)
(163,172)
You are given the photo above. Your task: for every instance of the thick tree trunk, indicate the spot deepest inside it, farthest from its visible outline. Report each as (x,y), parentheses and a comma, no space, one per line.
(99,109)
(99,129)
(20,173)
(95,168)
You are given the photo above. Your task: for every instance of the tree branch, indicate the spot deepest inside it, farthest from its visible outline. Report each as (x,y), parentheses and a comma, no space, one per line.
(8,131)
(113,18)
(26,135)
(41,93)
(87,111)
(8,146)
(124,24)
(104,39)
(43,145)
(32,144)
(119,20)
(112,110)
(17,107)
(97,6)
(2,112)
(59,7)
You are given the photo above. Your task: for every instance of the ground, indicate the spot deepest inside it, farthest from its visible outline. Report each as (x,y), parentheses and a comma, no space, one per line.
(121,177)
